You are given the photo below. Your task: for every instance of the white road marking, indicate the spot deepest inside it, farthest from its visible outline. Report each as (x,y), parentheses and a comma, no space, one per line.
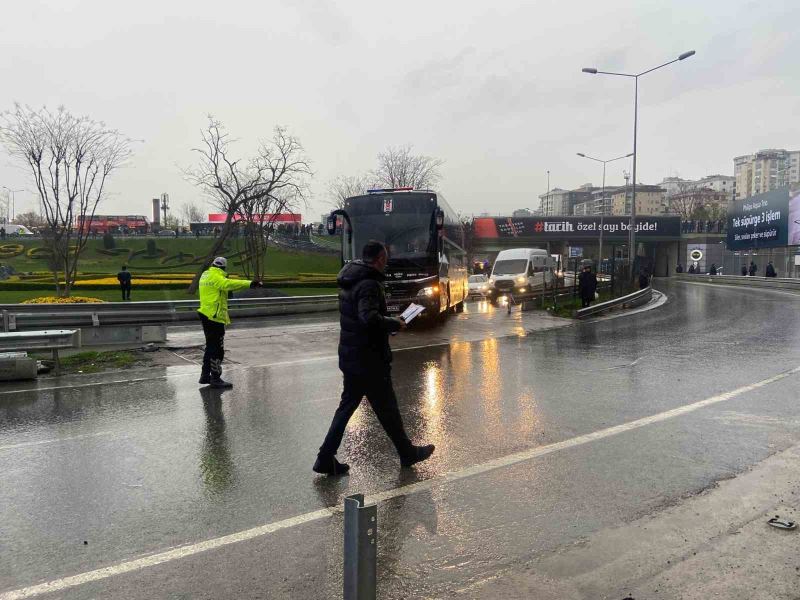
(452,476)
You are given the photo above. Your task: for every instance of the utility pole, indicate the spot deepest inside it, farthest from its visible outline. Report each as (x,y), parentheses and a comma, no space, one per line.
(165,206)
(627,177)
(548,191)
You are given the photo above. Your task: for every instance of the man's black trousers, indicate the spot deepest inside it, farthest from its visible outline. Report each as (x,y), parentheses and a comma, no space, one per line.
(215,346)
(380,394)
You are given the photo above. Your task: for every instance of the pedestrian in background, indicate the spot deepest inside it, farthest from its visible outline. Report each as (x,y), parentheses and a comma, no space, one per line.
(679,268)
(770,271)
(644,279)
(753,269)
(744,271)
(365,359)
(692,270)
(124,278)
(713,269)
(213,312)
(587,286)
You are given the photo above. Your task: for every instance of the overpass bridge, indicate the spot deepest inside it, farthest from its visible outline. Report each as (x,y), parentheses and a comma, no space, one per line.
(662,241)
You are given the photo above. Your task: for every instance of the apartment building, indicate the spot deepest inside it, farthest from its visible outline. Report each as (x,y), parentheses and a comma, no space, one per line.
(765,170)
(562,202)
(650,200)
(718,183)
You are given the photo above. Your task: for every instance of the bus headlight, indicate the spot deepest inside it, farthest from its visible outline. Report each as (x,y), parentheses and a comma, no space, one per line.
(521,289)
(427,292)
(520,279)
(491,280)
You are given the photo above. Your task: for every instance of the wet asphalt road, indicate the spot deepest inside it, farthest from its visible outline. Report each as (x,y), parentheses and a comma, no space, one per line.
(151,464)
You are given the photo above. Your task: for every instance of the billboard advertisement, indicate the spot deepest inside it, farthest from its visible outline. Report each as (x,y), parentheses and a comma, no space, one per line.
(575,228)
(279,218)
(763,221)
(794,218)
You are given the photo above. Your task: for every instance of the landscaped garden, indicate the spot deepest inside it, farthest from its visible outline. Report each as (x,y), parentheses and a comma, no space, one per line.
(161,268)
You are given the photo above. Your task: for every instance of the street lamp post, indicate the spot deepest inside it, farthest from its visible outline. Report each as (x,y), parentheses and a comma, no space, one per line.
(603,196)
(635,76)
(13,202)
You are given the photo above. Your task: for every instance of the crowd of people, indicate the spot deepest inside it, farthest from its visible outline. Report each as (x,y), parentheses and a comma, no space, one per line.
(701,226)
(746,271)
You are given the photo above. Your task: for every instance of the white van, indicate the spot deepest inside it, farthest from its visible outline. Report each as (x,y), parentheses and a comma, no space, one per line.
(12,229)
(521,272)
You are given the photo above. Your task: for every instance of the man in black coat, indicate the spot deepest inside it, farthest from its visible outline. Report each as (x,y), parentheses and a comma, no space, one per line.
(770,272)
(365,359)
(587,286)
(124,278)
(753,269)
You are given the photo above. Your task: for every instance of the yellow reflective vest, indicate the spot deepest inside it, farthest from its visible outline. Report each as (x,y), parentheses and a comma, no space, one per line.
(214,288)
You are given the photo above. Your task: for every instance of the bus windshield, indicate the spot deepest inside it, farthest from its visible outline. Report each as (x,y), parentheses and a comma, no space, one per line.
(405,230)
(510,267)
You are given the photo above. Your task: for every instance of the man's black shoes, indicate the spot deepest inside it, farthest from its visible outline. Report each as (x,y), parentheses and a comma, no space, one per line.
(328,465)
(220,384)
(418,454)
(204,379)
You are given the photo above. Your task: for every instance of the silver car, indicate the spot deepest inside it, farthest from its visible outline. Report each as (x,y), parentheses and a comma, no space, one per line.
(478,286)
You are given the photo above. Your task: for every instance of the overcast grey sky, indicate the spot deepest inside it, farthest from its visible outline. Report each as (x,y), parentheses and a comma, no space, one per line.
(494,89)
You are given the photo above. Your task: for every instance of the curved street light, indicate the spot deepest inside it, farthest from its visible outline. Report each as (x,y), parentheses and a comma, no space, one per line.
(635,76)
(602,196)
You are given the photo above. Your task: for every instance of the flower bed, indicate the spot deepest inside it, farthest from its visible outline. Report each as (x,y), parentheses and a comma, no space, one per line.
(11,250)
(60,300)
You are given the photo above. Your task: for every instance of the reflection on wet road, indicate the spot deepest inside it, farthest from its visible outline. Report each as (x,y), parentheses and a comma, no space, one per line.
(141,467)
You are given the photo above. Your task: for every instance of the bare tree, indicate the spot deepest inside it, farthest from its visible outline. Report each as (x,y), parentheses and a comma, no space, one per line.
(684,201)
(31,220)
(346,186)
(191,212)
(258,216)
(399,167)
(70,159)
(280,169)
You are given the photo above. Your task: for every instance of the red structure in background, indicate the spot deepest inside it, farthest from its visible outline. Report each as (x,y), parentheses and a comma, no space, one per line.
(284,218)
(101,224)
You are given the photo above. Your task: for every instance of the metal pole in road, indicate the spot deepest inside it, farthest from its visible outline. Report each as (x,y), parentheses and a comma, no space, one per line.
(12,208)
(635,76)
(360,549)
(603,198)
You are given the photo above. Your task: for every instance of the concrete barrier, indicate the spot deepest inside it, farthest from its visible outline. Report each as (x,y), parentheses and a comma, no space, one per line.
(741,280)
(127,322)
(633,300)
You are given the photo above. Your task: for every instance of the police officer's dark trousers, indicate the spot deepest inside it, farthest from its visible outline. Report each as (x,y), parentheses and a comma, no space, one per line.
(215,347)
(380,394)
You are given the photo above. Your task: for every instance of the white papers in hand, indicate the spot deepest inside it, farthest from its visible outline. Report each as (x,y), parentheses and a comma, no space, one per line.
(412,312)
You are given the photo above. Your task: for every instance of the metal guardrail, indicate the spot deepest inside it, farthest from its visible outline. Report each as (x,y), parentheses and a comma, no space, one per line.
(633,300)
(25,317)
(742,280)
(49,339)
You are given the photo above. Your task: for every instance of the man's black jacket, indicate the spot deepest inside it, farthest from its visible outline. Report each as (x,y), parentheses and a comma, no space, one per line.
(365,328)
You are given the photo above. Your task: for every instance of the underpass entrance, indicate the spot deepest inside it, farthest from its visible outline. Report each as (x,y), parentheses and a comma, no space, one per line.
(603,240)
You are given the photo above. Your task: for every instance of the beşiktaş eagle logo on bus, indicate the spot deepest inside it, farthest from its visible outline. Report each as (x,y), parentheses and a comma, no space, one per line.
(552,226)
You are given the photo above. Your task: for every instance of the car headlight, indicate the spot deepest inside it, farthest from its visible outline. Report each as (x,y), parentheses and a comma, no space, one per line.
(491,280)
(521,289)
(427,292)
(483,287)
(520,279)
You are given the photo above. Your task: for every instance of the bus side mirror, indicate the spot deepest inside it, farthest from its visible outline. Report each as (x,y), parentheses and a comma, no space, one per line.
(330,225)
(439,219)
